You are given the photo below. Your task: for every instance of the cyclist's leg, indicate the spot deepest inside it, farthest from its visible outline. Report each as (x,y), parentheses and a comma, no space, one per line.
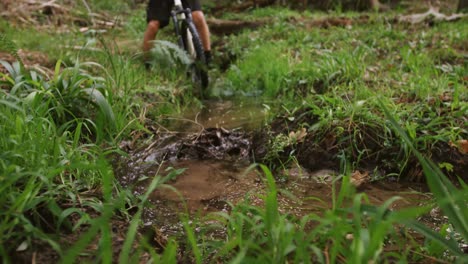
(202,28)
(150,34)
(157,16)
(201,25)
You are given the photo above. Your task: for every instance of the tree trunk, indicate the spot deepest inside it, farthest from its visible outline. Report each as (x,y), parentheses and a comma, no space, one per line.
(463,6)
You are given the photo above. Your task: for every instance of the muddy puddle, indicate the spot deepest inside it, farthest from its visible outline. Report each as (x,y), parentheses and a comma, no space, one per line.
(248,115)
(312,192)
(207,186)
(212,150)
(211,147)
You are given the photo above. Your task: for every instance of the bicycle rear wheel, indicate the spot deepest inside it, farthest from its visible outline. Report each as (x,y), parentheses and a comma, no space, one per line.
(193,45)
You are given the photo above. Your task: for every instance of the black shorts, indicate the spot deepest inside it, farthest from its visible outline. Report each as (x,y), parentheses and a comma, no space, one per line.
(161,10)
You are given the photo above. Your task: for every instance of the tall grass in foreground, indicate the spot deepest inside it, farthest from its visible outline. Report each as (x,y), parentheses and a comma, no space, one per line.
(48,161)
(52,133)
(41,169)
(69,97)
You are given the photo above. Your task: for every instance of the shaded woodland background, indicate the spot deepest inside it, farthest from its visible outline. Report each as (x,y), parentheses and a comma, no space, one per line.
(360,5)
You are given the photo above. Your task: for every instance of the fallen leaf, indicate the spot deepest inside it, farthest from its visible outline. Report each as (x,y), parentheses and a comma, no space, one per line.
(358,178)
(446,97)
(22,247)
(299,135)
(462,146)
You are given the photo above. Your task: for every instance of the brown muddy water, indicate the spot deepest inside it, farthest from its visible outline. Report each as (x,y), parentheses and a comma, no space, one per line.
(248,115)
(214,146)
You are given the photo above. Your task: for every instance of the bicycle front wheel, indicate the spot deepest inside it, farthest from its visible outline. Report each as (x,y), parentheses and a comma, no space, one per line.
(193,45)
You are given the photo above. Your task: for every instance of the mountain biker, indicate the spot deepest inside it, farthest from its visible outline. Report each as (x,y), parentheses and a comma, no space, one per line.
(158,14)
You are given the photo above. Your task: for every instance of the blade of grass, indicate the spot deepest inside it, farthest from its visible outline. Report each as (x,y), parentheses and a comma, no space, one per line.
(192,241)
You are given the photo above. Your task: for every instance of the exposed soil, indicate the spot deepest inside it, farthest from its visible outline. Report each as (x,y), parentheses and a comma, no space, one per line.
(43,13)
(208,185)
(214,147)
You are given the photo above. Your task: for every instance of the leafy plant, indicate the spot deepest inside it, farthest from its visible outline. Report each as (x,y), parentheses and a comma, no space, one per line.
(71,95)
(6,44)
(36,174)
(168,54)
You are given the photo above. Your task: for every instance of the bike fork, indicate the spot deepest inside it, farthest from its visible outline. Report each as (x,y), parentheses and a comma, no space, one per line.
(185,14)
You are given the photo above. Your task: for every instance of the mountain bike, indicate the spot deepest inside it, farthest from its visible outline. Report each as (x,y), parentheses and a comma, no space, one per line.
(189,40)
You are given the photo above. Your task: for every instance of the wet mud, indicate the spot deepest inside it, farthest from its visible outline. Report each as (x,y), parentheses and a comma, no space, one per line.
(208,185)
(247,115)
(213,152)
(313,192)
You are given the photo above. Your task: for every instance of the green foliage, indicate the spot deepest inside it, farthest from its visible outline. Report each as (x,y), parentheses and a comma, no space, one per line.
(262,234)
(9,46)
(71,95)
(109,5)
(44,163)
(452,200)
(40,169)
(263,70)
(167,56)
(136,23)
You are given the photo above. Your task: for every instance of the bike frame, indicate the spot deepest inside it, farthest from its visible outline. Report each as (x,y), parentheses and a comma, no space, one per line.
(179,13)
(188,39)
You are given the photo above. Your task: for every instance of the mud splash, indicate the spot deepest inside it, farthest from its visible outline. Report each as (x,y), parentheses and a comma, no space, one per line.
(212,146)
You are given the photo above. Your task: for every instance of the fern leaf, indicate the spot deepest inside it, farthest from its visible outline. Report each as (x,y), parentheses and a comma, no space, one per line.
(10,47)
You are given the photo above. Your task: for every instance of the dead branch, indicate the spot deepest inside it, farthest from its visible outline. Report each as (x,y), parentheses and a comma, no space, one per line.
(243,6)
(432,14)
(31,12)
(227,27)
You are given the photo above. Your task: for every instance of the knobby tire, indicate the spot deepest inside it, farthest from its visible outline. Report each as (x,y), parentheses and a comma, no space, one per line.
(198,70)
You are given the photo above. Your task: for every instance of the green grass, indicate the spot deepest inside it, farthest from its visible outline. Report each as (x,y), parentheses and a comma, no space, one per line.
(336,75)
(48,153)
